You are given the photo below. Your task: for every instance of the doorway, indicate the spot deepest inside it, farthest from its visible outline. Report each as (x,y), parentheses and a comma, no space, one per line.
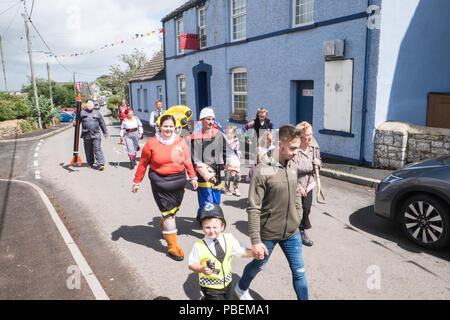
(304,101)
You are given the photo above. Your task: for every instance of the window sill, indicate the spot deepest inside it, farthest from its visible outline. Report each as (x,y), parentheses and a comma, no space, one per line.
(231,120)
(337,133)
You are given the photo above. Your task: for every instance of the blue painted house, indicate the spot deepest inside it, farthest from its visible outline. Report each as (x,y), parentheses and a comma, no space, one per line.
(147,86)
(344,66)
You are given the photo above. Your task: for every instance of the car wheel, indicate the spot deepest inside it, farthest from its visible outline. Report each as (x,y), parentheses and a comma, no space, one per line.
(425,221)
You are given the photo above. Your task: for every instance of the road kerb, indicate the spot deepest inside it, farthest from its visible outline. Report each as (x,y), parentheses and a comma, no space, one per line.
(45,135)
(353,178)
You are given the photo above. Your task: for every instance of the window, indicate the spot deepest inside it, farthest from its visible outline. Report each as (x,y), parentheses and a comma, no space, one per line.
(303,12)
(139,99)
(159,93)
(238,19)
(179,30)
(181,90)
(239,90)
(202,27)
(145,101)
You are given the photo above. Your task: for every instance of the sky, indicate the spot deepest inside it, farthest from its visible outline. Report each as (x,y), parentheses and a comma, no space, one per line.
(70,27)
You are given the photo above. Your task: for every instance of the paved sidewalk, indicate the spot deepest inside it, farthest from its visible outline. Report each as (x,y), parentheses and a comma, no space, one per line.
(353,173)
(38,134)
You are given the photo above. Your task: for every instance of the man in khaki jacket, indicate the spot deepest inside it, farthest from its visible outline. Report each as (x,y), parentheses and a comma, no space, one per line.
(275,212)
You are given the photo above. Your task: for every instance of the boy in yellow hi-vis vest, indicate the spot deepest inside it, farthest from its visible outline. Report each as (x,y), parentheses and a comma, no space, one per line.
(211,257)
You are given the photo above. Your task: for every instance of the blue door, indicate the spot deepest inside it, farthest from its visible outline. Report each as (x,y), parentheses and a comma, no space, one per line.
(202,93)
(305,101)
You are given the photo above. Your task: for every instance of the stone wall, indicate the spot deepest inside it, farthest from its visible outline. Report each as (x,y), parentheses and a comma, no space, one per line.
(399,143)
(10,128)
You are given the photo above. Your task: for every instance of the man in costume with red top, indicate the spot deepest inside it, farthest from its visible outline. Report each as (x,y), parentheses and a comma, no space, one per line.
(208,149)
(167,155)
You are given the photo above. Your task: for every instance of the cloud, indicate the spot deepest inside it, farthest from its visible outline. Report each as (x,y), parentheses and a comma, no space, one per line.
(78,27)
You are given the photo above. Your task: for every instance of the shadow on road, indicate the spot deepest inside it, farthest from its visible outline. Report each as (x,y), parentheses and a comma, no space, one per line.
(242,227)
(124,164)
(151,237)
(147,236)
(366,220)
(193,291)
(240,204)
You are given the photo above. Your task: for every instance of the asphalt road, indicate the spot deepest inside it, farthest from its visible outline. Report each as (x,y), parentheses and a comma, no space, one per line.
(356,255)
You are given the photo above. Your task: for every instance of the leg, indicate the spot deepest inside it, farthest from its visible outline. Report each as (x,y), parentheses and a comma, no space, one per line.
(254,267)
(89,151)
(292,249)
(306,224)
(170,235)
(98,151)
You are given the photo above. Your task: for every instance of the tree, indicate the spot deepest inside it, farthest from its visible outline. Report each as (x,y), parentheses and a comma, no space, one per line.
(119,77)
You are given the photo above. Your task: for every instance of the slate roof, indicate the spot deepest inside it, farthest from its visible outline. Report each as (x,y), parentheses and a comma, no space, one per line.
(153,70)
(184,7)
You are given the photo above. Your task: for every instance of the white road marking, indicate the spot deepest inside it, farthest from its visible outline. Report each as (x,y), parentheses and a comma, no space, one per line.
(85,269)
(36,155)
(37,149)
(35,163)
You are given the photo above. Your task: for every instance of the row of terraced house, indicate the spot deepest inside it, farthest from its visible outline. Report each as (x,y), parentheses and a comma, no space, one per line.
(347,67)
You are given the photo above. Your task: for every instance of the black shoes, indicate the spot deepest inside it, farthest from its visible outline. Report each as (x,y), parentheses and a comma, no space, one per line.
(305,240)
(133,164)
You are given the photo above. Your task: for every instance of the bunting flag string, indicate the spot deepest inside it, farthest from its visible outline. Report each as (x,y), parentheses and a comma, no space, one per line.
(106,46)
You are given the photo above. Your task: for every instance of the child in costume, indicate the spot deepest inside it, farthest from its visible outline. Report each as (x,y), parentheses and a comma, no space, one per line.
(212,256)
(232,164)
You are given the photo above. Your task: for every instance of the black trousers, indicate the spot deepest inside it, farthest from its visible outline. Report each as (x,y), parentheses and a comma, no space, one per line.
(215,294)
(306,205)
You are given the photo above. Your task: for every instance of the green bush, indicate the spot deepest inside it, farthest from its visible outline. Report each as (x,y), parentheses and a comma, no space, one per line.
(46,109)
(13,107)
(113,102)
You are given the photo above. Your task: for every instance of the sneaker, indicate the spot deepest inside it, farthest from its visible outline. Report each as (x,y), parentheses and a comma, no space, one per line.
(228,192)
(101,168)
(242,295)
(237,193)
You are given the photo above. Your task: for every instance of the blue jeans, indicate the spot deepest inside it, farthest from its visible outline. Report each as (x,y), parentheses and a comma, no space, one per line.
(292,249)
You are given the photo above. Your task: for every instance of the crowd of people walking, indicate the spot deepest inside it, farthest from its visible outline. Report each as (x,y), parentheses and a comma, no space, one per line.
(278,207)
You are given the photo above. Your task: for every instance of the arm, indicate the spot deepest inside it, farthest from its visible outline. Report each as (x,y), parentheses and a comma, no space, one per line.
(142,168)
(197,268)
(152,119)
(102,125)
(141,130)
(255,197)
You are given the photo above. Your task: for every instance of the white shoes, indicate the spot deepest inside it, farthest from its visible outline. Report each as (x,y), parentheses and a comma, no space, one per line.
(242,295)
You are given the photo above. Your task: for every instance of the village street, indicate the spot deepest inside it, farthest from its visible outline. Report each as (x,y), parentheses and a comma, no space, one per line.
(356,255)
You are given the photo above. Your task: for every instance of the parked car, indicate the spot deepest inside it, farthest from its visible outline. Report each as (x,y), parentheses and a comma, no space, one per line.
(418,197)
(65,116)
(67,110)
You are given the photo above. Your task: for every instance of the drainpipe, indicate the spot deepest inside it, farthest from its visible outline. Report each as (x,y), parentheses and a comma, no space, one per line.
(362,160)
(165,67)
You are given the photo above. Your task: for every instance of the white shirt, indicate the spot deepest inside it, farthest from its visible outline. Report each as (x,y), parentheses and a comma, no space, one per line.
(238,248)
(131,124)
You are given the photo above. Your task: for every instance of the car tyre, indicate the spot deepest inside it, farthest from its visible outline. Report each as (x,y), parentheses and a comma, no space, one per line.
(426,221)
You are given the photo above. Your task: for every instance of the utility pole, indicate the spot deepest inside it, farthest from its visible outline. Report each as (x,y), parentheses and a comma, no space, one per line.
(49,83)
(3,64)
(50,90)
(74,85)
(36,97)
